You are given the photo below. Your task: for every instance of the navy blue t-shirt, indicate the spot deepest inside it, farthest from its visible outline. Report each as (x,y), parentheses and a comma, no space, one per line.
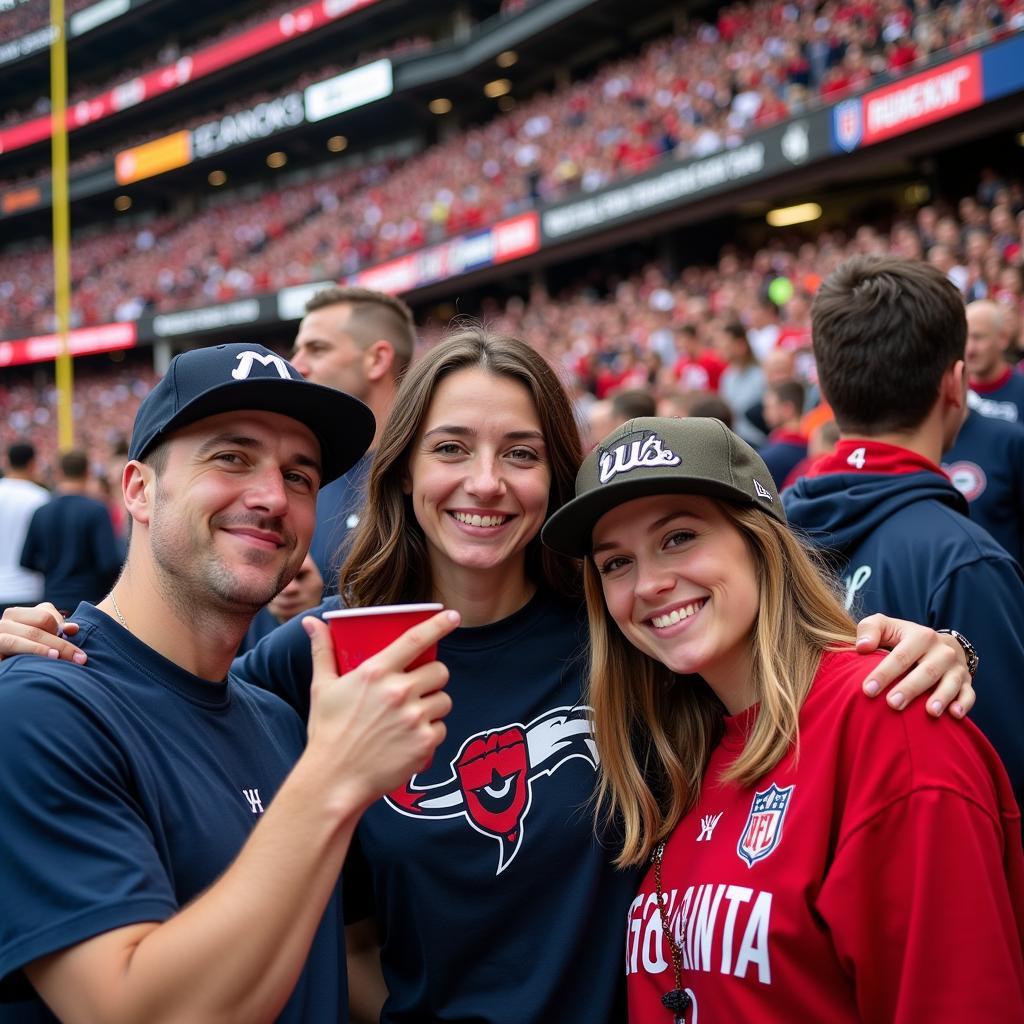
(71,541)
(337,512)
(782,453)
(1002,400)
(495,900)
(986,466)
(127,787)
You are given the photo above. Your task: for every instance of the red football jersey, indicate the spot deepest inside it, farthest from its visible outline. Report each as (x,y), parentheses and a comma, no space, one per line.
(875,876)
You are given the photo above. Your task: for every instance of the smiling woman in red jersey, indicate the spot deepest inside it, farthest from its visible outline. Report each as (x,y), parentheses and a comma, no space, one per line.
(784,823)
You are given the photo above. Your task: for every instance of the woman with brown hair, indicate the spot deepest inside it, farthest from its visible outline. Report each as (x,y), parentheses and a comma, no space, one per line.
(798,842)
(482,881)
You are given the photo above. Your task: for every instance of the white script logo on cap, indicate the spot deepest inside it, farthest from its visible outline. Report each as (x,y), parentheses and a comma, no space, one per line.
(634,454)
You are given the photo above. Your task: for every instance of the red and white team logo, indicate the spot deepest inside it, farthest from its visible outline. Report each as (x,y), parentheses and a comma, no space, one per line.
(492,776)
(968,478)
(763,830)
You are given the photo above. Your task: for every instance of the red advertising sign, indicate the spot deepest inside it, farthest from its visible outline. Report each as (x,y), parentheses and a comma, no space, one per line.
(518,236)
(81,342)
(922,99)
(507,240)
(262,37)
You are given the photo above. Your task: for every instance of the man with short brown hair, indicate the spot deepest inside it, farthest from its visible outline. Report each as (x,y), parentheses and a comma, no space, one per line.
(358,341)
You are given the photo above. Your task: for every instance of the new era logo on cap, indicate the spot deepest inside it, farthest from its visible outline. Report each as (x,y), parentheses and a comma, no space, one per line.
(761,491)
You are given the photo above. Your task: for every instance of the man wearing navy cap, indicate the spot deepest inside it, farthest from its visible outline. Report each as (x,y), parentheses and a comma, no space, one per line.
(147,875)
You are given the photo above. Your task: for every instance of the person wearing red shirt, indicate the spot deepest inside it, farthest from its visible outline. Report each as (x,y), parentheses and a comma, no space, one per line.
(800,842)
(699,367)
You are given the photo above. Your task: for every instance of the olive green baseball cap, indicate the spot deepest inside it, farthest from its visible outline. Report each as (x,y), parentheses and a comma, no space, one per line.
(657,455)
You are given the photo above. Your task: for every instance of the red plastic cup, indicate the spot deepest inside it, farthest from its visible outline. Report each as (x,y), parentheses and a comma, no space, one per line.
(359,633)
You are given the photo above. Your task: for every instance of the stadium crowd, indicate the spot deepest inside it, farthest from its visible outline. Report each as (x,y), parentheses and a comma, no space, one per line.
(660,333)
(684,96)
(20,17)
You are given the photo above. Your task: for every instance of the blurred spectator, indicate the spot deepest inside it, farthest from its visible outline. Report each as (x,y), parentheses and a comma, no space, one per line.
(764,330)
(996,390)
(71,540)
(742,381)
(786,446)
(699,367)
(822,442)
(713,406)
(986,465)
(305,591)
(20,496)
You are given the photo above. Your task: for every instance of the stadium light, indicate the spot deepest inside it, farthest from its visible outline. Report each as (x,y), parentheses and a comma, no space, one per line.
(440,105)
(337,143)
(1020,138)
(122,203)
(787,216)
(216,178)
(499,87)
(277,159)
(917,194)
(506,58)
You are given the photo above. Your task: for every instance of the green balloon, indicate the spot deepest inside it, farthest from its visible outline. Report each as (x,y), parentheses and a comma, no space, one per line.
(780,291)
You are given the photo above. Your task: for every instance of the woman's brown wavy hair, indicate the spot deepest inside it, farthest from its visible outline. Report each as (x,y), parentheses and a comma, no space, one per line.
(387,561)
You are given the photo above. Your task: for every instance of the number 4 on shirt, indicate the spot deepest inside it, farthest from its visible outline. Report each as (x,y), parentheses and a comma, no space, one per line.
(857,458)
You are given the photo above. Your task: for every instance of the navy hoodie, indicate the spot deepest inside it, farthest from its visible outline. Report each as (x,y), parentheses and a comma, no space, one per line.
(904,545)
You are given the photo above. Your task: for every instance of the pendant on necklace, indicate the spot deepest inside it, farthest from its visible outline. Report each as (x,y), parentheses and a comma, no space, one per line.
(677,1001)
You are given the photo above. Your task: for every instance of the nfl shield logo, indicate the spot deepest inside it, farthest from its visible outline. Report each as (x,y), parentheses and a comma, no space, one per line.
(846,125)
(763,829)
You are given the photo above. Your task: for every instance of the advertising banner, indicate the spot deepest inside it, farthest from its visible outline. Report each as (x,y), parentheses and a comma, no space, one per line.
(762,155)
(507,240)
(156,157)
(82,341)
(186,69)
(350,90)
(908,104)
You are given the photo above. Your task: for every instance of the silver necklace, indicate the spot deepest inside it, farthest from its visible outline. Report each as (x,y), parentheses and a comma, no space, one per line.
(120,617)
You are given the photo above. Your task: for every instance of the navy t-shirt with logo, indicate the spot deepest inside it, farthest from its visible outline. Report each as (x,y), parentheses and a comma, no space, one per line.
(127,787)
(986,466)
(495,899)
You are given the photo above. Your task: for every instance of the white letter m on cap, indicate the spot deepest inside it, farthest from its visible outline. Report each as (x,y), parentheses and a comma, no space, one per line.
(246,359)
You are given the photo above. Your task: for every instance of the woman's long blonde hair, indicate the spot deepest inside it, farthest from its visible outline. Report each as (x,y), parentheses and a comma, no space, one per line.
(655,731)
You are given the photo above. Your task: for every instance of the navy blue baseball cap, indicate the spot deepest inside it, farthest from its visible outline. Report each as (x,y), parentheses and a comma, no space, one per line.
(230,378)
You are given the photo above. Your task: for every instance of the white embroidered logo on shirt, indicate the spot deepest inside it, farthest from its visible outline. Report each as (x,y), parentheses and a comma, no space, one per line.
(634,454)
(255,803)
(246,359)
(856,582)
(707,826)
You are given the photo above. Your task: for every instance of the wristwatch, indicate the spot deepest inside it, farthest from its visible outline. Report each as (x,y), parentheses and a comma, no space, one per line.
(970,653)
